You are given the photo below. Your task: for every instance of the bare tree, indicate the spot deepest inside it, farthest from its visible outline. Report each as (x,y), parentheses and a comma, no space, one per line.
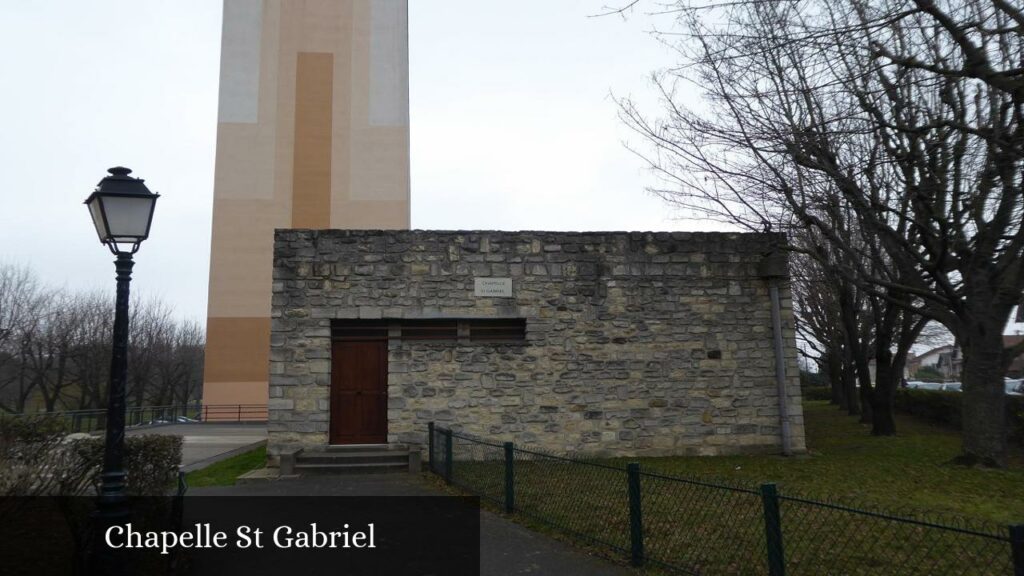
(907,115)
(55,348)
(815,299)
(152,326)
(22,300)
(179,365)
(90,358)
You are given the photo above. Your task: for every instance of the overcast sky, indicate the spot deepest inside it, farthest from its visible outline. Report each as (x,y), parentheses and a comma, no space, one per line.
(513,126)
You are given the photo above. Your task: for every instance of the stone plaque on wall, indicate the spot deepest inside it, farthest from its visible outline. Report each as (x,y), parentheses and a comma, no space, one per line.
(493,287)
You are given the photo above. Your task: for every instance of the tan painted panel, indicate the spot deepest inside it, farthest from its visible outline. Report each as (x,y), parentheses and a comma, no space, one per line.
(380,164)
(237,350)
(358,80)
(241,258)
(325,25)
(311,181)
(372,215)
(243,166)
(342,122)
(215,393)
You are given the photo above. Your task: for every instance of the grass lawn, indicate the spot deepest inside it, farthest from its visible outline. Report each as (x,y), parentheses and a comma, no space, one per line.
(710,529)
(909,473)
(225,472)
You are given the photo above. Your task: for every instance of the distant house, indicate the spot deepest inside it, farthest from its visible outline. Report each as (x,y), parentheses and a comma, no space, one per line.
(946,359)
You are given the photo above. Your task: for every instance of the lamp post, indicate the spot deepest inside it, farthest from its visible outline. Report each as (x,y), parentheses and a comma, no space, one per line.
(122,211)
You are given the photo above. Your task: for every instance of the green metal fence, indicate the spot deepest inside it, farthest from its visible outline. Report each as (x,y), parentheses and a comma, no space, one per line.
(690,526)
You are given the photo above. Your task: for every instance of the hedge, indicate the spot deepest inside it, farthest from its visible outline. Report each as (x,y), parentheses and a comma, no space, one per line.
(38,458)
(816,393)
(151,461)
(945,408)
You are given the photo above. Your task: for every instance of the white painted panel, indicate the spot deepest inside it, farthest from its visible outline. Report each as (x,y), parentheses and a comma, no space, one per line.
(389,63)
(240,61)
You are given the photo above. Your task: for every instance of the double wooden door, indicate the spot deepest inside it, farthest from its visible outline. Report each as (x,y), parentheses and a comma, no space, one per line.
(359,397)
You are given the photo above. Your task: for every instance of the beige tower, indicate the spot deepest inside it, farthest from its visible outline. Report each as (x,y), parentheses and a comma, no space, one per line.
(313,132)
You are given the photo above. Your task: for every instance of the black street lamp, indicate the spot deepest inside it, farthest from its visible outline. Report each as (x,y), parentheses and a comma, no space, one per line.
(122,211)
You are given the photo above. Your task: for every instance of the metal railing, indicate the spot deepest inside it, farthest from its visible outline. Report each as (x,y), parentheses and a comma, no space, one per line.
(234,413)
(692,526)
(96,419)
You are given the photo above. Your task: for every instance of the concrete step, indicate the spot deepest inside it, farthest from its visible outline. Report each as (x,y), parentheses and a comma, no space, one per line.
(351,468)
(350,448)
(389,456)
(368,459)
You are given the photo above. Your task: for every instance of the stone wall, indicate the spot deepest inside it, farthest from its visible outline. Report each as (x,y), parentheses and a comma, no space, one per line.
(637,343)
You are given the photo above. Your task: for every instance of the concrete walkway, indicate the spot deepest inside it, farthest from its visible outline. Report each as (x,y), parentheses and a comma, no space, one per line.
(506,548)
(205,444)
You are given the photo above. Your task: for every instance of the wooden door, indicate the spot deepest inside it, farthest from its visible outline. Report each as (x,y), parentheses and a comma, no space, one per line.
(359,397)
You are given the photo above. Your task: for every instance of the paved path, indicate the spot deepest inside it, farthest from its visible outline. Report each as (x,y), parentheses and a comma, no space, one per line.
(207,443)
(506,548)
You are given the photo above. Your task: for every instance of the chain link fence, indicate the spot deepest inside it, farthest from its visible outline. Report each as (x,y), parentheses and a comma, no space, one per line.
(690,526)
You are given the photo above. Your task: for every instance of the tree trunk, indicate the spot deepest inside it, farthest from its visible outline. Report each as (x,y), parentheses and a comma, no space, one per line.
(850,383)
(853,353)
(984,413)
(50,402)
(835,378)
(883,422)
(866,404)
(864,379)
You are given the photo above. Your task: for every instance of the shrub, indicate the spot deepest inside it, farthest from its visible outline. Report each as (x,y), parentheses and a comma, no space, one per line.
(816,393)
(38,458)
(150,461)
(812,379)
(928,374)
(945,408)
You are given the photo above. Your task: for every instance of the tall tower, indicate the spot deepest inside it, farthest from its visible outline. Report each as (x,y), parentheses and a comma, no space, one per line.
(313,132)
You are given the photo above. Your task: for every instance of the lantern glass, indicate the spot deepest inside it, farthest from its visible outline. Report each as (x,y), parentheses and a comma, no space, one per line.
(127,217)
(96,210)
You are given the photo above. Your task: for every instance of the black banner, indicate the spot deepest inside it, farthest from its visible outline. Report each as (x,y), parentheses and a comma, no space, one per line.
(201,535)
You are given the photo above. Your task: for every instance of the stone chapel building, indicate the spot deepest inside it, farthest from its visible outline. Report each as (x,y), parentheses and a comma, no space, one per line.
(615,344)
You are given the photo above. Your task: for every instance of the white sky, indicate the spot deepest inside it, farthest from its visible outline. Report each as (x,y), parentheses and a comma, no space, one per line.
(512,126)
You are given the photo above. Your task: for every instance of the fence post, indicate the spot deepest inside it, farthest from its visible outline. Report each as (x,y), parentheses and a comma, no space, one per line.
(510,478)
(430,447)
(448,456)
(1017,546)
(773,530)
(636,517)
